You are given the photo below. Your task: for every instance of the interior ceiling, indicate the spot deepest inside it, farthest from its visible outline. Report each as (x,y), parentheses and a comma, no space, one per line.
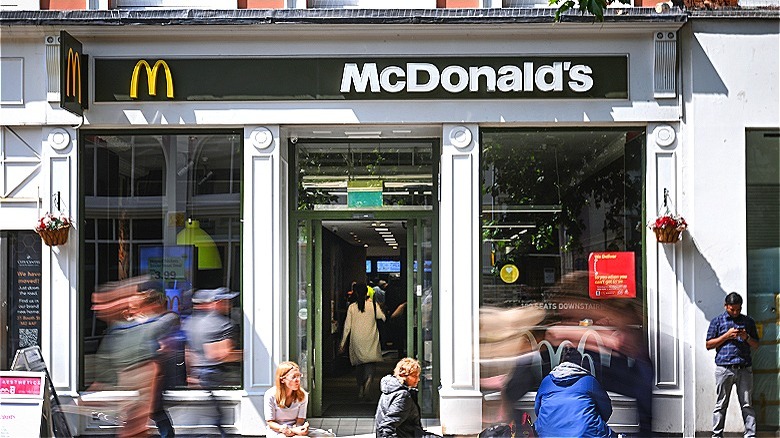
(360,233)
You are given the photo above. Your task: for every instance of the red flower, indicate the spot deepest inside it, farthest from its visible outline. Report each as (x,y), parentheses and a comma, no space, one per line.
(668,221)
(52,222)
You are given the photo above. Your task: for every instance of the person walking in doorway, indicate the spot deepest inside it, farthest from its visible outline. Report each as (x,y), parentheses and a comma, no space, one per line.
(733,335)
(361,330)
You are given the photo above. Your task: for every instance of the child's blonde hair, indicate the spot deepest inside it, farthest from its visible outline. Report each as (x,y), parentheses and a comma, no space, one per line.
(406,367)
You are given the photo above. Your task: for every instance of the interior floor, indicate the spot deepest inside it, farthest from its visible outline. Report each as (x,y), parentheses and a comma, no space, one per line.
(340,391)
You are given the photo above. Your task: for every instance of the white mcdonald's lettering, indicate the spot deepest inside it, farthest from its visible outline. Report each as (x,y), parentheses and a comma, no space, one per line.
(421,77)
(151,77)
(73,74)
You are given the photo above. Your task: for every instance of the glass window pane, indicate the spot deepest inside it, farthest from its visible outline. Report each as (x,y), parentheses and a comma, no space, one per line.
(165,207)
(364,175)
(561,209)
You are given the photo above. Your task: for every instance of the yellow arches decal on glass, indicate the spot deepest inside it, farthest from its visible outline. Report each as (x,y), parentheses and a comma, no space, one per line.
(151,77)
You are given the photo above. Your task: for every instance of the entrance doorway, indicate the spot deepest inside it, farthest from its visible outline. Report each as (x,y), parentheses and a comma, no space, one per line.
(365,214)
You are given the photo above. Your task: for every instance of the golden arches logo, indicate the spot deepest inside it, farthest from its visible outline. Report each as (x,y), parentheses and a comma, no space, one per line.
(73,75)
(151,77)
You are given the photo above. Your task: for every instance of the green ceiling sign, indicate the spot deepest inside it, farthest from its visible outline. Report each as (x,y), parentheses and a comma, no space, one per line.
(260,79)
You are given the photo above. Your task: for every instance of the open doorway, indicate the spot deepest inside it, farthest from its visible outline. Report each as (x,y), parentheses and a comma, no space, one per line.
(394,256)
(361,251)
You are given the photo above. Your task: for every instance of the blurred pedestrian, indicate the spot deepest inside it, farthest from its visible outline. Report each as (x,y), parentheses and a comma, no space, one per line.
(398,414)
(360,329)
(733,335)
(127,358)
(170,353)
(210,344)
(570,401)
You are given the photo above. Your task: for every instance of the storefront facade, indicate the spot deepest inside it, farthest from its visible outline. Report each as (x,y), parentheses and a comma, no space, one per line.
(496,142)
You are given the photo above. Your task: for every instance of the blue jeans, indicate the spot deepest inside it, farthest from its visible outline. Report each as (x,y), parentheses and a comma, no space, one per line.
(725,378)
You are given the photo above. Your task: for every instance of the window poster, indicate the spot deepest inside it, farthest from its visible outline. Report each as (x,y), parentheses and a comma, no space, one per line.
(612,275)
(24,313)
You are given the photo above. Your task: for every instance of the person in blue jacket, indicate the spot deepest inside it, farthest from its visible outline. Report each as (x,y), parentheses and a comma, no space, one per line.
(570,402)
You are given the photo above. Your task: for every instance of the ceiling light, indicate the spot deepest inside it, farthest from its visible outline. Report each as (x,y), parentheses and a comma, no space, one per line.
(381,229)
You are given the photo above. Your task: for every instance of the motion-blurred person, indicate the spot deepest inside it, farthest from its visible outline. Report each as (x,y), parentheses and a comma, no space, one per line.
(127,356)
(398,414)
(570,402)
(170,354)
(733,335)
(360,329)
(284,405)
(210,345)
(609,332)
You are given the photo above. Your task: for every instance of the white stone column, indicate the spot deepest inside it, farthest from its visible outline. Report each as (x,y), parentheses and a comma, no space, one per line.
(59,265)
(264,243)
(460,397)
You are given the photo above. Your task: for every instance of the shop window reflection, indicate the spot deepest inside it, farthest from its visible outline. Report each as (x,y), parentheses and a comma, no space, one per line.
(551,199)
(140,194)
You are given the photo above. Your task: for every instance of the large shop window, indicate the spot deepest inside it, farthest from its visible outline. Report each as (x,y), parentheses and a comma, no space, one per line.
(161,213)
(562,230)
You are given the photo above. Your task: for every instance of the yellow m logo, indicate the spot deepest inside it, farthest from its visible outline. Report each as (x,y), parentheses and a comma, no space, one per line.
(151,77)
(73,74)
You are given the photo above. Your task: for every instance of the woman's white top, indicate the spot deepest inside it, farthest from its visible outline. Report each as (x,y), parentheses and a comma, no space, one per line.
(281,414)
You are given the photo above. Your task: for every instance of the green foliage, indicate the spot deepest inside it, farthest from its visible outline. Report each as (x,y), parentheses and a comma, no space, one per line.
(545,184)
(593,7)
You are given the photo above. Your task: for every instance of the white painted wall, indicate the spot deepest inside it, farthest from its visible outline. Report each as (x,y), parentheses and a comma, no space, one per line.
(731,83)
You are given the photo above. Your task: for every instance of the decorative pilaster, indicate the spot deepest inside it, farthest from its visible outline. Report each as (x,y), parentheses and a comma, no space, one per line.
(264,255)
(59,288)
(460,397)
(665,291)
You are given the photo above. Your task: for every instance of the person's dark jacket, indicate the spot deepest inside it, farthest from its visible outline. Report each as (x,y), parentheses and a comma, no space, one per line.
(571,402)
(398,414)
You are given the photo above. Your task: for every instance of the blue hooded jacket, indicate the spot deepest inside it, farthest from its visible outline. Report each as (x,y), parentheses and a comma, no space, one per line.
(571,403)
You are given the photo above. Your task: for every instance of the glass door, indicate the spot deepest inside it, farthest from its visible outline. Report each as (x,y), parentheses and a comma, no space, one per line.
(306,279)
(420,291)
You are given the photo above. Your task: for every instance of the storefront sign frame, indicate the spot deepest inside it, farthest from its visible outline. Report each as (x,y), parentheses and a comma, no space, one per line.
(361,78)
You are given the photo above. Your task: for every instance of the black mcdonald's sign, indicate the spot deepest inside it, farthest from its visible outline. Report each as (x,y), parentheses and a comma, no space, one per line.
(74,75)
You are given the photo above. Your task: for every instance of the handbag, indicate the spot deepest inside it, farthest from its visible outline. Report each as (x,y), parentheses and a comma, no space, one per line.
(526,427)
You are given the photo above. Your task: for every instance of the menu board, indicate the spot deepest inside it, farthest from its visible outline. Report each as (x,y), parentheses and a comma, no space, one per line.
(24,311)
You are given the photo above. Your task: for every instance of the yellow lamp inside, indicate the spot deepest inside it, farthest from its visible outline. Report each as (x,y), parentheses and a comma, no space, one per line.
(193,234)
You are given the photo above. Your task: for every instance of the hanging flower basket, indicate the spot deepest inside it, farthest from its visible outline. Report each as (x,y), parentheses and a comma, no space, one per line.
(668,228)
(53,229)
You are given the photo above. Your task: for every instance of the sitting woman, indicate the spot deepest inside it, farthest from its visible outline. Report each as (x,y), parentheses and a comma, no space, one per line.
(285,403)
(398,414)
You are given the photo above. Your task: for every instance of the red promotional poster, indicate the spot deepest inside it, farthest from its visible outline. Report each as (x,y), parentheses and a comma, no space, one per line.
(612,275)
